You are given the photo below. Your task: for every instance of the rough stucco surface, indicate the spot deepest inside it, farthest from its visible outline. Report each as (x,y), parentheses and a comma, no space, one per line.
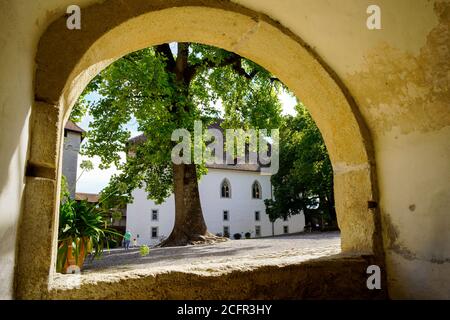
(406,98)
(399,77)
(37,224)
(407,91)
(336,277)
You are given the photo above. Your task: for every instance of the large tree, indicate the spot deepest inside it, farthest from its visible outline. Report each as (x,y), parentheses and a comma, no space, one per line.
(304,182)
(162,89)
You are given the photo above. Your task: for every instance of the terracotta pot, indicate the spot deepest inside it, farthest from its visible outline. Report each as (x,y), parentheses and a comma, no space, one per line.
(71,260)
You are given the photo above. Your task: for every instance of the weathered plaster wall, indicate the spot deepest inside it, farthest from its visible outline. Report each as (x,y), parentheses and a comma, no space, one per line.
(21,23)
(399,77)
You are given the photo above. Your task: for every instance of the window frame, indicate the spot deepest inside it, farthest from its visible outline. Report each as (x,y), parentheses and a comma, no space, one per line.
(157,215)
(225,233)
(225,183)
(259,190)
(151,232)
(257,231)
(227,213)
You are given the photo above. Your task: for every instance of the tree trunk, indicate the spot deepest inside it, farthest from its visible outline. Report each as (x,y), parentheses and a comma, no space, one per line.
(190,226)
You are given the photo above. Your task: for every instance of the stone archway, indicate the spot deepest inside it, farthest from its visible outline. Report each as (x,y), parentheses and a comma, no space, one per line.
(68,59)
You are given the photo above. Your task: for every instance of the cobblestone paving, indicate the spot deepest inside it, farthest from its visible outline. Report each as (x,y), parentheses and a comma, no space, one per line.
(231,254)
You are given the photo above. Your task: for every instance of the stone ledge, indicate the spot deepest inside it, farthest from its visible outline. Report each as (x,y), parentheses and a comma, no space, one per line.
(334,277)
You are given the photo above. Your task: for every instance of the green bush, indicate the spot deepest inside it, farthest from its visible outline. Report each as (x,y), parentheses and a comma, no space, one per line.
(144,250)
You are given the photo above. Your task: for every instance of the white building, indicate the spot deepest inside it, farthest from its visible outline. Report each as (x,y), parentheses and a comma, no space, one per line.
(232,199)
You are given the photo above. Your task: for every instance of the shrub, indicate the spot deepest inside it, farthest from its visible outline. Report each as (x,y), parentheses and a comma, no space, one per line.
(144,250)
(248,235)
(237,236)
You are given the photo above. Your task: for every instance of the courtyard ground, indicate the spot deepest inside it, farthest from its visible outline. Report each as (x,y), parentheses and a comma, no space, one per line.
(230,254)
(208,260)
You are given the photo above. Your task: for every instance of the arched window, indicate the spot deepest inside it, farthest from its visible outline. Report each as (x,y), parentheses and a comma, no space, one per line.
(256,190)
(225,189)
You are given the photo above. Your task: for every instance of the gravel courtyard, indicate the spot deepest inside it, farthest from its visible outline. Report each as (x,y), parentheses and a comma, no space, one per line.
(230,255)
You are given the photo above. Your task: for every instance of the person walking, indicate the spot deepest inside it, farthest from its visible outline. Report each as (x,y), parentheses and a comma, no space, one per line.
(127,239)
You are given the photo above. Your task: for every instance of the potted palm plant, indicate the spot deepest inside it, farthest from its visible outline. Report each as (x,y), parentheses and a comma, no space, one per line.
(83,230)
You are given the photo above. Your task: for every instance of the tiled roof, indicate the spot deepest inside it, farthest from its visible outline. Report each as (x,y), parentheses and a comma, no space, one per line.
(73,127)
(89,197)
(239,167)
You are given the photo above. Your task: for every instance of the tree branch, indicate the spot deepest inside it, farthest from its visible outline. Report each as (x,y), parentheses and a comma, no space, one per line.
(181,64)
(233,60)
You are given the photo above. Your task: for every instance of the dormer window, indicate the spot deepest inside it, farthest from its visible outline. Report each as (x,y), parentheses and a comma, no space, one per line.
(256,190)
(225,189)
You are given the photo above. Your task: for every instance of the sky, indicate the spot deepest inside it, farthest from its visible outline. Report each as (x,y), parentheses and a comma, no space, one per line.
(95,180)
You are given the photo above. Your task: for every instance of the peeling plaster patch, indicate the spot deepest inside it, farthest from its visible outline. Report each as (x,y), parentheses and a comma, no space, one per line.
(403,251)
(404,90)
(392,234)
(391,230)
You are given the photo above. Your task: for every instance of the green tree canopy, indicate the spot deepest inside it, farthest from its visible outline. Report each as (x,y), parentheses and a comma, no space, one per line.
(304,182)
(161,91)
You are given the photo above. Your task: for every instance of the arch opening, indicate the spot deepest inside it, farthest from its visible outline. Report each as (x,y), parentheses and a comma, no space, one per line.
(67,61)
(256,190)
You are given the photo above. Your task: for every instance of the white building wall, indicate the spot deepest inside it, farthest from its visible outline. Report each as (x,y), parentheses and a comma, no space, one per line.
(241,208)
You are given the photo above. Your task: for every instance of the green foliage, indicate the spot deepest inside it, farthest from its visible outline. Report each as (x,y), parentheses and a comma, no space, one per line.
(144,250)
(145,88)
(81,106)
(82,224)
(86,165)
(64,193)
(305,178)
(116,215)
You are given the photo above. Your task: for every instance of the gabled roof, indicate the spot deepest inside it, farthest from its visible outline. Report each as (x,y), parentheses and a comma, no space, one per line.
(70,126)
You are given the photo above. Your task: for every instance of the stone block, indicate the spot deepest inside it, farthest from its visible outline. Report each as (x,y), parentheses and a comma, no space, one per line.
(36,231)
(46,128)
